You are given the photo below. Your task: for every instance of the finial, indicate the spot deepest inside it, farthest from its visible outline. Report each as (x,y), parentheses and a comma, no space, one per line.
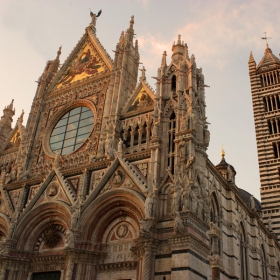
(163,60)
(131,22)
(143,76)
(20,119)
(136,45)
(58,52)
(10,107)
(265,38)
(186,50)
(223,151)
(179,40)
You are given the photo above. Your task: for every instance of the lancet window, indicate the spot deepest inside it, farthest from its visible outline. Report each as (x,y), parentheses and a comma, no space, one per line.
(273,126)
(270,78)
(276,149)
(243,254)
(171,144)
(173,83)
(271,103)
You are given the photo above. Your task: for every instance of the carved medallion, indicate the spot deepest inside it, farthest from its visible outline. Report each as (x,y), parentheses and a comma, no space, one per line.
(51,236)
(121,231)
(52,189)
(118,178)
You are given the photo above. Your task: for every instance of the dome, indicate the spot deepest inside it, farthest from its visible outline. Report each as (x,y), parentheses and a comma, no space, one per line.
(245,196)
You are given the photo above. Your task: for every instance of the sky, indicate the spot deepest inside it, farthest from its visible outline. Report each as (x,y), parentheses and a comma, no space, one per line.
(220,34)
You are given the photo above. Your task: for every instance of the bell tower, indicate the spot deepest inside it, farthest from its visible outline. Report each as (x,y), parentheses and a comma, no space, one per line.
(265,89)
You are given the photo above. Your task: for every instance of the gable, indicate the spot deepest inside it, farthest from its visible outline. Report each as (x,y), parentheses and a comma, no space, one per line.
(85,64)
(142,100)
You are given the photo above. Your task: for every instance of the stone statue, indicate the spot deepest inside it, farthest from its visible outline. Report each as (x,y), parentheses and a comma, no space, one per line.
(155,128)
(75,214)
(229,174)
(182,148)
(102,149)
(176,198)
(149,205)
(207,209)
(206,136)
(120,145)
(183,123)
(252,203)
(178,224)
(194,200)
(269,224)
(70,239)
(94,16)
(194,119)
(190,168)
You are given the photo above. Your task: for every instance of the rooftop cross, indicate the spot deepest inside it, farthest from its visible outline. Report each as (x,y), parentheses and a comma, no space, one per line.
(265,37)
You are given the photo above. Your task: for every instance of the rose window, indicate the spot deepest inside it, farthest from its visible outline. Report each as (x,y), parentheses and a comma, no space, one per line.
(72,131)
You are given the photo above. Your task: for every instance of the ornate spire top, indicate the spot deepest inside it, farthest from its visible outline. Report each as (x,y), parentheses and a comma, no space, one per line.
(179,40)
(58,52)
(143,75)
(131,22)
(186,51)
(20,119)
(163,60)
(223,153)
(11,106)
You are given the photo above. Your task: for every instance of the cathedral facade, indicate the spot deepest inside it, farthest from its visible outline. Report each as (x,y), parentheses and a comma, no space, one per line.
(110,179)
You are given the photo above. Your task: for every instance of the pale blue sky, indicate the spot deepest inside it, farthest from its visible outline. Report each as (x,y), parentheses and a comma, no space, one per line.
(220,34)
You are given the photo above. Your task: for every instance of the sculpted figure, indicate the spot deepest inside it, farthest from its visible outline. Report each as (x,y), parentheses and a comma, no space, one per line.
(206,136)
(176,198)
(183,123)
(190,168)
(69,239)
(194,198)
(207,209)
(194,120)
(75,214)
(102,148)
(120,145)
(182,148)
(178,224)
(149,205)
(155,128)
(252,203)
(117,178)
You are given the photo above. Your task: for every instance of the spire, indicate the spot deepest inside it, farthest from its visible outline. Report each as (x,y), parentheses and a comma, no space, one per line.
(163,60)
(186,51)
(58,53)
(269,60)
(11,106)
(143,76)
(179,40)
(130,31)
(178,50)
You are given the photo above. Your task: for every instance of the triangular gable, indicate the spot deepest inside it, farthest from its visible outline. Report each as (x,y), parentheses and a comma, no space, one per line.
(141,100)
(55,187)
(131,177)
(88,59)
(13,141)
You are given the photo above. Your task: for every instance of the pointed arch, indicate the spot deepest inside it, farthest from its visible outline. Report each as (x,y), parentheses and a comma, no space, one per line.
(263,262)
(31,226)
(109,206)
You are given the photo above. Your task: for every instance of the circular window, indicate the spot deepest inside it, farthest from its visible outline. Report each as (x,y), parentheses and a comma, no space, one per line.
(72,130)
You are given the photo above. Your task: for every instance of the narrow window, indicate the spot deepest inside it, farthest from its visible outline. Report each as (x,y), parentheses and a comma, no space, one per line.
(171,144)
(264,104)
(269,126)
(173,83)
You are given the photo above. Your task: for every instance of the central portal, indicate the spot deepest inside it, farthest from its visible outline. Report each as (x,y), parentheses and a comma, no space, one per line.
(53,275)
